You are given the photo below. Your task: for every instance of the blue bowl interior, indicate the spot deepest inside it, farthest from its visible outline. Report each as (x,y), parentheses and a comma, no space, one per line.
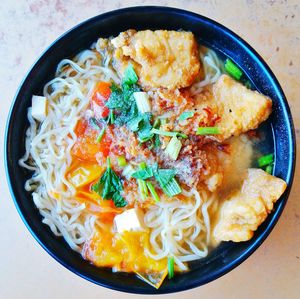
(279,128)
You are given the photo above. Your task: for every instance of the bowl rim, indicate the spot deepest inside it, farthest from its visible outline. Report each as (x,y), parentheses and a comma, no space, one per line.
(291,139)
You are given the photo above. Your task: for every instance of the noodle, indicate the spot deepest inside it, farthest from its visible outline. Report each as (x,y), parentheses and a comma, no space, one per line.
(48,145)
(212,69)
(179,229)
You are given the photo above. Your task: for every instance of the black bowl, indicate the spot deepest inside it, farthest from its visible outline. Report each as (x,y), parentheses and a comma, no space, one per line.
(280,128)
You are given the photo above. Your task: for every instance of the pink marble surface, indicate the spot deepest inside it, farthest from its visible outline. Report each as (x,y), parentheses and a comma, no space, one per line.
(28,27)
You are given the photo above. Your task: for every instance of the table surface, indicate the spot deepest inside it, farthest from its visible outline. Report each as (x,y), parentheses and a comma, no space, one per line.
(28,27)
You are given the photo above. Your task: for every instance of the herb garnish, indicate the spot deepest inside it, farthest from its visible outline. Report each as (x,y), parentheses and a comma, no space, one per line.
(109,186)
(122,100)
(164,177)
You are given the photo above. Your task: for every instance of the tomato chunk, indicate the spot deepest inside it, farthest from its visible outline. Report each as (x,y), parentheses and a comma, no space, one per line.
(100,95)
(86,146)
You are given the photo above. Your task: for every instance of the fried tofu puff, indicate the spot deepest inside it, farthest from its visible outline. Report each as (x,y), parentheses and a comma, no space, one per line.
(242,213)
(239,109)
(161,58)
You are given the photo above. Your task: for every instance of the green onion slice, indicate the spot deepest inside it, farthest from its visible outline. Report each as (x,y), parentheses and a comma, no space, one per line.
(122,161)
(101,134)
(233,70)
(153,191)
(265,160)
(172,188)
(143,188)
(170,267)
(173,148)
(208,131)
(269,169)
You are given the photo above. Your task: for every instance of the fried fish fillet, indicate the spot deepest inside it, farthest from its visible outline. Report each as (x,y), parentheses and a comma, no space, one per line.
(161,58)
(239,109)
(243,212)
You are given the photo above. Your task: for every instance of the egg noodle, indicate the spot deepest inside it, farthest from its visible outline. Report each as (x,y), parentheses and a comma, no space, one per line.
(177,227)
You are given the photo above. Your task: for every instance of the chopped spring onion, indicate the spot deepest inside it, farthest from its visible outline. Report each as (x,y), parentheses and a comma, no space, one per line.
(172,188)
(128,171)
(143,188)
(173,148)
(157,123)
(170,134)
(130,76)
(142,101)
(153,191)
(265,160)
(208,131)
(122,161)
(233,70)
(269,169)
(163,121)
(143,165)
(111,118)
(170,267)
(185,115)
(101,134)
(142,184)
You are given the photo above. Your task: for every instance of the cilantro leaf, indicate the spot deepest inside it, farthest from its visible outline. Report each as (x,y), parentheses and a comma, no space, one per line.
(157,142)
(119,201)
(130,76)
(145,127)
(123,103)
(109,186)
(115,100)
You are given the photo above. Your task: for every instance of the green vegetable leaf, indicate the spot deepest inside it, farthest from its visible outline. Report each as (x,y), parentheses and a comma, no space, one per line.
(115,100)
(145,127)
(133,118)
(163,176)
(130,76)
(119,201)
(109,186)
(185,115)
(143,174)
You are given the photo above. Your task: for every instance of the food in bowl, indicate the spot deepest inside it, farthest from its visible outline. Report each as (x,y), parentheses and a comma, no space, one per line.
(144,154)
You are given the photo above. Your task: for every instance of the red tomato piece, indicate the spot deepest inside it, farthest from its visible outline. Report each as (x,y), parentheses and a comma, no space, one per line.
(100,95)
(86,146)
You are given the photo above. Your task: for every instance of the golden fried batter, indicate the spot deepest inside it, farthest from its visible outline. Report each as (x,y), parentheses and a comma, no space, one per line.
(244,211)
(167,59)
(239,109)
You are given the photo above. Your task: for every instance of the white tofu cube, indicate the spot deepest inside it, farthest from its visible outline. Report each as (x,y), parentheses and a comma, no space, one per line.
(39,107)
(129,220)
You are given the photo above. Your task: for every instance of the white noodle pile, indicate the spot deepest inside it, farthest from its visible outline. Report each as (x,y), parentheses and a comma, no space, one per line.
(213,69)
(48,146)
(179,228)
